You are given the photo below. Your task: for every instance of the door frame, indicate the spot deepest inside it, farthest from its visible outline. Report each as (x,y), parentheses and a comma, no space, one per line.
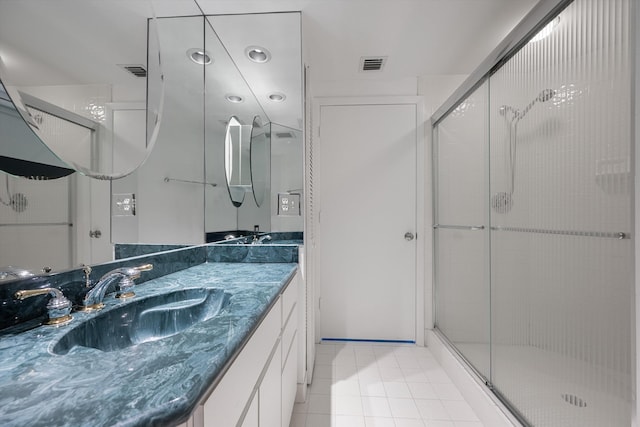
(421,231)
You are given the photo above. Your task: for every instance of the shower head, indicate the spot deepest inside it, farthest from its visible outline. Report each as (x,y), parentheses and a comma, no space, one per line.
(546,95)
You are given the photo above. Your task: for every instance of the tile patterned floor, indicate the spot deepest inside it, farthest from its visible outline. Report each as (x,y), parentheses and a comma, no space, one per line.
(377,385)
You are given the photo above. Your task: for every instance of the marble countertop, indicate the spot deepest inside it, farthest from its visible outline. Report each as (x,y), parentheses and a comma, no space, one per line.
(152,384)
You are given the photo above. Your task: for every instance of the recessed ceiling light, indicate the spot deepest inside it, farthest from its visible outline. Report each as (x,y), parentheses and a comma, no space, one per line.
(199,56)
(234,98)
(258,54)
(277,97)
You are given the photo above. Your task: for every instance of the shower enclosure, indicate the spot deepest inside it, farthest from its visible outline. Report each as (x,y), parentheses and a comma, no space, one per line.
(534,261)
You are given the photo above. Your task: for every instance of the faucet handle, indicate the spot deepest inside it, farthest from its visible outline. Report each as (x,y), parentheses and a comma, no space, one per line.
(144,267)
(127,281)
(58,307)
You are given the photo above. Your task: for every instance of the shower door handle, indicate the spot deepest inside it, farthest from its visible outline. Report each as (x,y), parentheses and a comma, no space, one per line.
(409,236)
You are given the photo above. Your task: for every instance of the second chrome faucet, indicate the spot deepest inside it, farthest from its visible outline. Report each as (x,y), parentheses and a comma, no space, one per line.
(92,299)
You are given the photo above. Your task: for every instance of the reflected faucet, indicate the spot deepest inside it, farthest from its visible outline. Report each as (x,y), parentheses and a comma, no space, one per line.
(259,240)
(92,300)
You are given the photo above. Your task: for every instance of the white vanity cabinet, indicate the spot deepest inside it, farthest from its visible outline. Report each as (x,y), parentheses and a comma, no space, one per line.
(259,388)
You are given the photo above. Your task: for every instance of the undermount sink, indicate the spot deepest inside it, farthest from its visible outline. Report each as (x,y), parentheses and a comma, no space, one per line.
(148,319)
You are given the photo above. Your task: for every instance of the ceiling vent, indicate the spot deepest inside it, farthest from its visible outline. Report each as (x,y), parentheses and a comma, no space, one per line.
(372,63)
(135,69)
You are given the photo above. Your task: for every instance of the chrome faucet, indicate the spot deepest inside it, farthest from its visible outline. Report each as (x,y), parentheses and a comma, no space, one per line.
(58,307)
(92,300)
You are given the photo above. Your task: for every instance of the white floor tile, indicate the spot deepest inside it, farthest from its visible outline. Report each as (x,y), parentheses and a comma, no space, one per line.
(422,391)
(379,422)
(321,386)
(376,407)
(381,385)
(459,410)
(438,376)
(441,424)
(408,422)
(298,420)
(319,420)
(447,392)
(349,421)
(468,424)
(432,410)
(319,404)
(403,408)
(345,388)
(372,388)
(397,389)
(348,405)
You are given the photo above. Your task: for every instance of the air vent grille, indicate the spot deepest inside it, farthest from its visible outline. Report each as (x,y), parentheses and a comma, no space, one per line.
(372,63)
(135,69)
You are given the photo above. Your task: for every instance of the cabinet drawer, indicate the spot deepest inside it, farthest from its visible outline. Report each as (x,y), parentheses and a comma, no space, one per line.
(288,333)
(289,383)
(289,298)
(226,403)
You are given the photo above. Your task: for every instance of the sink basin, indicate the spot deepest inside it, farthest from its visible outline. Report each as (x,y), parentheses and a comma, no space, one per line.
(148,319)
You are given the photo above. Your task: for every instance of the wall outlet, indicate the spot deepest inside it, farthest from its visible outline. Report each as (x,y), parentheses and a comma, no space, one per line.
(124,204)
(288,204)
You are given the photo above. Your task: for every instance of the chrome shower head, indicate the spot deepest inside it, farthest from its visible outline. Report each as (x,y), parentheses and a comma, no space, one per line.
(546,95)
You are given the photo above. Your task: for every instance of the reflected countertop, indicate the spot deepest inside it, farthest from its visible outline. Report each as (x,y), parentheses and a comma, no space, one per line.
(153,383)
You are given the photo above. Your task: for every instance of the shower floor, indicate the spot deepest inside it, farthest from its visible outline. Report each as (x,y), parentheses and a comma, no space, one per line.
(555,391)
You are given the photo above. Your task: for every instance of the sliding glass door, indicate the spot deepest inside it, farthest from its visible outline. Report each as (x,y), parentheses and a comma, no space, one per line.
(534,257)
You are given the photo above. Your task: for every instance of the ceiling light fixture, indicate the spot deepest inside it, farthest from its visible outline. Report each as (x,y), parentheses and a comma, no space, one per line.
(234,98)
(258,54)
(199,56)
(277,97)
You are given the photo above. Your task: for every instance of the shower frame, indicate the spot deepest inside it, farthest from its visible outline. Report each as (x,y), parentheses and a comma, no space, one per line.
(542,14)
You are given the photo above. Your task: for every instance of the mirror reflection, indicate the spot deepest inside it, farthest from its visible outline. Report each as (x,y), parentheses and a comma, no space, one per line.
(259,161)
(237,160)
(81,83)
(179,193)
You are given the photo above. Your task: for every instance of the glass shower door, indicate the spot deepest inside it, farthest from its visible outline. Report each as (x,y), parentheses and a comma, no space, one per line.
(561,253)
(461,230)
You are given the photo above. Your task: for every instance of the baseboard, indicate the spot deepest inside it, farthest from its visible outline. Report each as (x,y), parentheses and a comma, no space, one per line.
(486,406)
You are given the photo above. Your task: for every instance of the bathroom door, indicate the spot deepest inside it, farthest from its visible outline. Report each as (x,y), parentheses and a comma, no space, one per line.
(366,248)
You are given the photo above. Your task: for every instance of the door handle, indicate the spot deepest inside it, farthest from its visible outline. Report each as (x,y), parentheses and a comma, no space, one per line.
(96,234)
(408,236)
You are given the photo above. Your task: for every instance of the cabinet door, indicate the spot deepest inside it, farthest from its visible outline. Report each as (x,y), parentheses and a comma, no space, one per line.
(251,417)
(270,392)
(289,383)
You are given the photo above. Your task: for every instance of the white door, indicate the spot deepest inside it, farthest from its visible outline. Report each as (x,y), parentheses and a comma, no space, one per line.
(366,265)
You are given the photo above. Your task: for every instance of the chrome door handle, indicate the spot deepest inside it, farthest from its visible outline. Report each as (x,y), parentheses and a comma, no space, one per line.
(408,236)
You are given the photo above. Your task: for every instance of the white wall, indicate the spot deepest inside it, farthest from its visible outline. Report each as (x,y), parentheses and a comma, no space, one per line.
(40,235)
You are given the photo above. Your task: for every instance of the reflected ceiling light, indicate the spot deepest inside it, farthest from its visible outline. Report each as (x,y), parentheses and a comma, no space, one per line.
(258,54)
(547,30)
(199,56)
(234,98)
(277,97)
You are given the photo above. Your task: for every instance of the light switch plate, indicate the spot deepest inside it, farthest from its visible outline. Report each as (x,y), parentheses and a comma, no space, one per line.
(124,204)
(288,204)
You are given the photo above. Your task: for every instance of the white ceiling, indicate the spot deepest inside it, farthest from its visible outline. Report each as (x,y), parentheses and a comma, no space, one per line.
(420,37)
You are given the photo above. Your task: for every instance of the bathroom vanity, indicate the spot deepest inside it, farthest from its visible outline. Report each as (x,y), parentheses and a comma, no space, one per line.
(235,365)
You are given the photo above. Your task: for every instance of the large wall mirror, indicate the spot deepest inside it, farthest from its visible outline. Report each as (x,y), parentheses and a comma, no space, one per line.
(179,193)
(86,76)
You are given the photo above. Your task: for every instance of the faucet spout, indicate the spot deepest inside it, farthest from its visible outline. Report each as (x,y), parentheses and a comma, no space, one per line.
(92,300)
